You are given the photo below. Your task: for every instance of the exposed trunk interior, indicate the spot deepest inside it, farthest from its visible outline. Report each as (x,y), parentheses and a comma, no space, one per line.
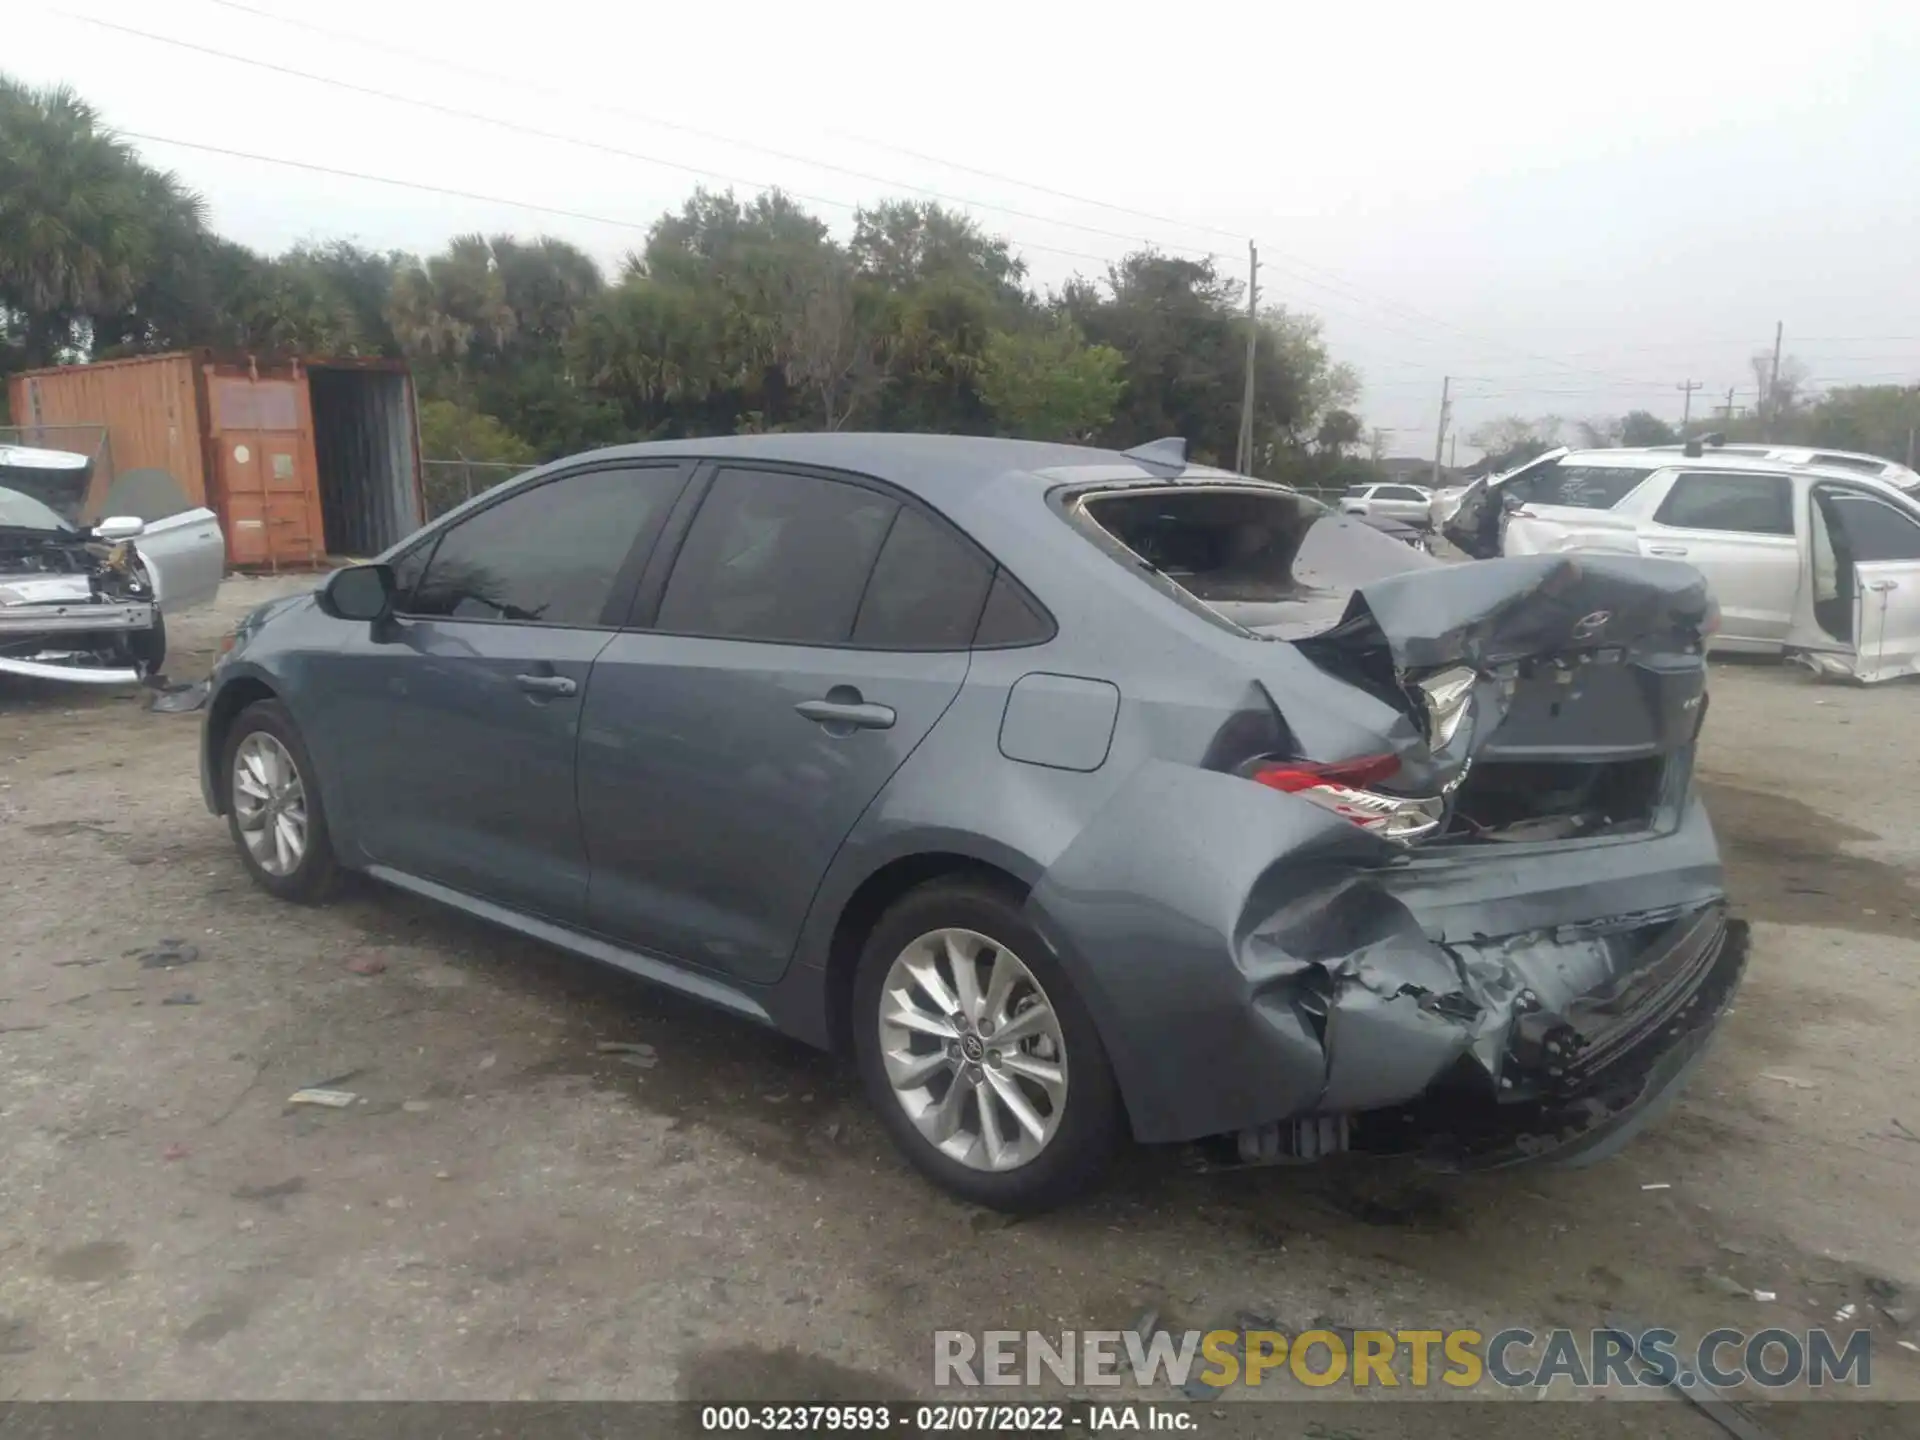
(363,442)
(1519,801)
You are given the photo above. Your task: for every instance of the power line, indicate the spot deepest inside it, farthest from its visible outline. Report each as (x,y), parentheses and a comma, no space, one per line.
(384,180)
(641,225)
(459,113)
(1298,268)
(499,77)
(1301,270)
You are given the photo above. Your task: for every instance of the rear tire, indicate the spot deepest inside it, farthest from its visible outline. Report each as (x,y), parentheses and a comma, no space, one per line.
(1008,1101)
(274,810)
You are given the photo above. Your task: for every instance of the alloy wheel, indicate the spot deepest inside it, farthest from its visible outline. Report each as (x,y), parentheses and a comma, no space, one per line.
(270,803)
(973,1049)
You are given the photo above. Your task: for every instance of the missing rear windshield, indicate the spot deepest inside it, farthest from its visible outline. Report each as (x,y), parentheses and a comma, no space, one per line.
(1262,559)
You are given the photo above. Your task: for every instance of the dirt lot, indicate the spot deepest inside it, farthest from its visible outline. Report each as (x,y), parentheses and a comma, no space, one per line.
(511,1214)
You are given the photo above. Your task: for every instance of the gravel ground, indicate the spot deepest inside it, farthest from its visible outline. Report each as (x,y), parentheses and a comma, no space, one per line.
(509,1213)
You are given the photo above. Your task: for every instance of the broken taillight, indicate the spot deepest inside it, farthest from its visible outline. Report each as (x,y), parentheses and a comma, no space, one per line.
(1294,776)
(1341,787)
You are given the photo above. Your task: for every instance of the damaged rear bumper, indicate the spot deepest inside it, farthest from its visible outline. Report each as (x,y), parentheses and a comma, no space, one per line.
(1574,1084)
(1474,1006)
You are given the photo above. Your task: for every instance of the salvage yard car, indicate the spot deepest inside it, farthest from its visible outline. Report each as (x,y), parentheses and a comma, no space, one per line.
(1408,504)
(1077,794)
(88,604)
(1817,562)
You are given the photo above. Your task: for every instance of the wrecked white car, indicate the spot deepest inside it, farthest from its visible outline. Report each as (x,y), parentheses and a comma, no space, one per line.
(1819,563)
(88,604)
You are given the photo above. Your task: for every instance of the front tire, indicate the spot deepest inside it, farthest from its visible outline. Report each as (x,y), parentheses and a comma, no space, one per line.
(978,1054)
(274,811)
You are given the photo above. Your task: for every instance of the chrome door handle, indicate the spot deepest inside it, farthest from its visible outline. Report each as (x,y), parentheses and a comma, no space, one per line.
(549,685)
(1883,585)
(1666,549)
(854,715)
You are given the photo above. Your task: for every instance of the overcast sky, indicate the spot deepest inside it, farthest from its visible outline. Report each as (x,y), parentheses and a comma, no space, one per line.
(1573,207)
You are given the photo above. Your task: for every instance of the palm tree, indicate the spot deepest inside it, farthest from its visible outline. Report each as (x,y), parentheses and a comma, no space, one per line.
(82,220)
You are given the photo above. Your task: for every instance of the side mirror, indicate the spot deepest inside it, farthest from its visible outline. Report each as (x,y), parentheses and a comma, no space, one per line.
(360,592)
(116,528)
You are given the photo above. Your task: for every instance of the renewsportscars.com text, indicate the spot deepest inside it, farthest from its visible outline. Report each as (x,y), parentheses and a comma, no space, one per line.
(1512,1358)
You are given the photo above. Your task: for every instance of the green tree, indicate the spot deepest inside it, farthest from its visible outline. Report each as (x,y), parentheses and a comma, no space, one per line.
(1337,430)
(1599,432)
(943,288)
(448,432)
(1513,440)
(1049,384)
(1641,427)
(82,221)
(452,306)
(1878,419)
(734,315)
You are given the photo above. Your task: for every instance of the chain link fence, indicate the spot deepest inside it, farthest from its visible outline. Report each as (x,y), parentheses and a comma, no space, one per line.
(454,482)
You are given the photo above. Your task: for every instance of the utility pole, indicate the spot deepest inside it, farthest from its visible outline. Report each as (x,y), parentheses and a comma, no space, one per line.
(1453,452)
(1910,430)
(1245,457)
(1771,403)
(1440,435)
(1729,404)
(1686,388)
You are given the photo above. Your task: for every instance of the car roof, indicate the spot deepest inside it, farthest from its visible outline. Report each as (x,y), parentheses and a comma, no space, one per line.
(1661,457)
(1854,461)
(948,470)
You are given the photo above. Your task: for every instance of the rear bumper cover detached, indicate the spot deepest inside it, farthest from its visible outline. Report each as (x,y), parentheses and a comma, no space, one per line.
(1478,1006)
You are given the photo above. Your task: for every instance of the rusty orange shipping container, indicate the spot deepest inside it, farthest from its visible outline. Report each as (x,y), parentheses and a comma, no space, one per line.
(302,460)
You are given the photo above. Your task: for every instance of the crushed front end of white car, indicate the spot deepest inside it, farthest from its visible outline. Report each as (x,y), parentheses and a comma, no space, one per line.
(76,608)
(83,604)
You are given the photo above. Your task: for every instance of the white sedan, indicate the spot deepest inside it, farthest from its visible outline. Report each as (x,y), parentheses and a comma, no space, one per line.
(1406,503)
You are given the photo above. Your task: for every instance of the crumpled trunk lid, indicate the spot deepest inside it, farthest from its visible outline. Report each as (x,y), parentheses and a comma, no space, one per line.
(1588,686)
(1526,607)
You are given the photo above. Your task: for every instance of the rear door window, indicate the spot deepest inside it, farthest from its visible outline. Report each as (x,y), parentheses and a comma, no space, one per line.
(549,555)
(774,555)
(927,591)
(1583,487)
(1874,529)
(1399,492)
(1011,617)
(1745,504)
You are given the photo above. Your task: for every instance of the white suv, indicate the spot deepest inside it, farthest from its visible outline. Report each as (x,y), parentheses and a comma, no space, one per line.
(1812,559)
(1891,471)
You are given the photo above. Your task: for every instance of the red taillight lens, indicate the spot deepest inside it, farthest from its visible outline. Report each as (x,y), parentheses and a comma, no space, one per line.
(1344,789)
(1294,776)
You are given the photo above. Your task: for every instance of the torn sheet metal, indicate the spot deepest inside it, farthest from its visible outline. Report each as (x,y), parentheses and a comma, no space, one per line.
(1501,611)
(1547,992)
(1595,658)
(179,699)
